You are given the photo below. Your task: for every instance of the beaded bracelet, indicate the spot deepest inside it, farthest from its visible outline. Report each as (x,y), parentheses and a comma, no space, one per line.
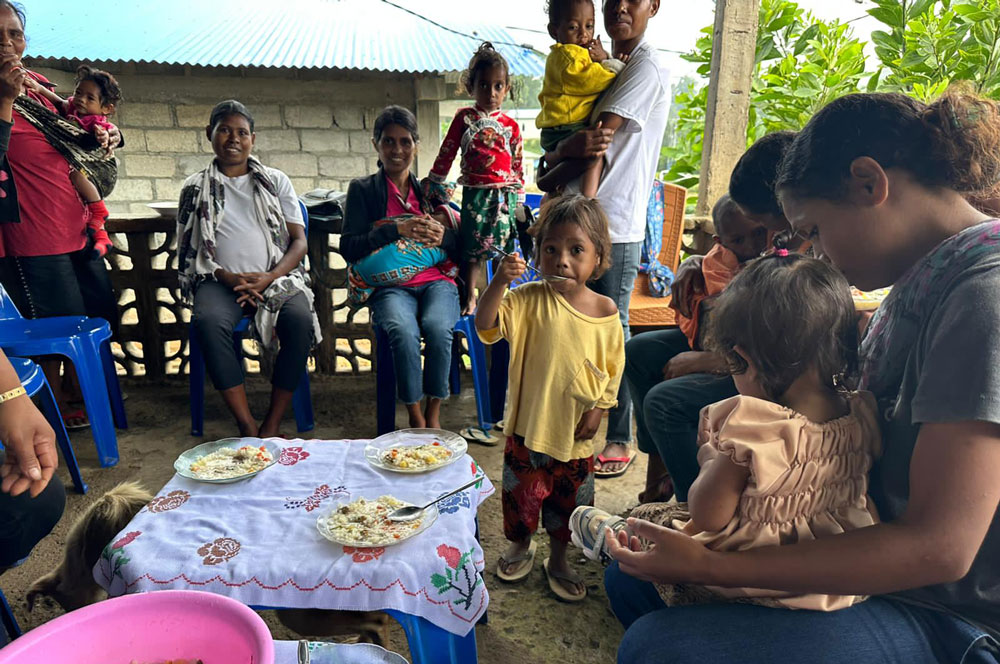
(11,394)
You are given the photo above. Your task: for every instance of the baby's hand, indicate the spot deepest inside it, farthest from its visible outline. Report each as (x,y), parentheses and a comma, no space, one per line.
(32,84)
(511,267)
(596,50)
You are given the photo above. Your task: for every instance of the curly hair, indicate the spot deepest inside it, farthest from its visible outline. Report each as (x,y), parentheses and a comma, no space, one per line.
(953,142)
(485,57)
(111,94)
(787,314)
(586,213)
(557,8)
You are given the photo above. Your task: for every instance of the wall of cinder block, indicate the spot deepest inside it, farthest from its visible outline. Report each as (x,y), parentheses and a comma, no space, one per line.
(316,126)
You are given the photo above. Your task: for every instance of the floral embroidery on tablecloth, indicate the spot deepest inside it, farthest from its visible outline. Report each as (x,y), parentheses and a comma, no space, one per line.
(457,575)
(171,501)
(320,494)
(113,558)
(292,455)
(454,503)
(364,554)
(219,551)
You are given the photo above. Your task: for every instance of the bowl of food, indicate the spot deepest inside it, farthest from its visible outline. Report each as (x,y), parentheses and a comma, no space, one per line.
(415,450)
(362,522)
(227,460)
(149,628)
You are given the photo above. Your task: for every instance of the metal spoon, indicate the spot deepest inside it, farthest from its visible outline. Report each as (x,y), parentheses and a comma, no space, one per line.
(546,277)
(304,651)
(411,512)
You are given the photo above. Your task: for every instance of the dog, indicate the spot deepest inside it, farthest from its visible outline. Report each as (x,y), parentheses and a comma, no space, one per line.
(72,584)
(370,626)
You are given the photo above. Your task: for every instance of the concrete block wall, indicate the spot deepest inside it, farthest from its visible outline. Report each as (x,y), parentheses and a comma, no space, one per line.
(314,126)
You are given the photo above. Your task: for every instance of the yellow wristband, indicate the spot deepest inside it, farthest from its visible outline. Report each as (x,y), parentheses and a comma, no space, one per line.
(11,394)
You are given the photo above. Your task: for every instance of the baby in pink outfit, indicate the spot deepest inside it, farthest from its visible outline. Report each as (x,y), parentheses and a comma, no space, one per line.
(94,100)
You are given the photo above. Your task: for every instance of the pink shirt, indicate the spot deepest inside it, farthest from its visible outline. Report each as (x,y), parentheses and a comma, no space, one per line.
(396,206)
(53,218)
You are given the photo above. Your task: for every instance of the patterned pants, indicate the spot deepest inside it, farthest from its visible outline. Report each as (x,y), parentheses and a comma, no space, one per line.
(534,482)
(487,221)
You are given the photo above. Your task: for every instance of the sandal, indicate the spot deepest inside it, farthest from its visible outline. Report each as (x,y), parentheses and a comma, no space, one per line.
(627,460)
(558,589)
(75,420)
(662,492)
(524,571)
(587,530)
(479,435)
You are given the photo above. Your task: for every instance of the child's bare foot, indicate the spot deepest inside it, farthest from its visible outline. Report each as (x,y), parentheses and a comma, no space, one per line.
(517,561)
(432,413)
(469,306)
(266,431)
(416,417)
(248,429)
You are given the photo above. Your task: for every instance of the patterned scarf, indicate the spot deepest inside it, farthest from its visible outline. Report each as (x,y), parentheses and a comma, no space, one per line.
(201,209)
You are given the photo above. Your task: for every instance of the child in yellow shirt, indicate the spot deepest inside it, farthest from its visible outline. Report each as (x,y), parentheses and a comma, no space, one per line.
(567,354)
(577,71)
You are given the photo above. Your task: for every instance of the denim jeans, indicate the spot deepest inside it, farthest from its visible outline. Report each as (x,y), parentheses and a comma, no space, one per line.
(406,313)
(617,284)
(878,631)
(667,411)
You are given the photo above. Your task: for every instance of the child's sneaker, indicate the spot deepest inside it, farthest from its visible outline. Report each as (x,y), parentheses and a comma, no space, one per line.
(587,525)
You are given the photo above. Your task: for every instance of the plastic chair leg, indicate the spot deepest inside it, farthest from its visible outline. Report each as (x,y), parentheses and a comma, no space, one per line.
(9,623)
(95,398)
(477,355)
(51,411)
(302,405)
(114,388)
(499,363)
(385,384)
(429,644)
(455,375)
(196,384)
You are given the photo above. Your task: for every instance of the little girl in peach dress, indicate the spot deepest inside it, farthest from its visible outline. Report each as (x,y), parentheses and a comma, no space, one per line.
(788,458)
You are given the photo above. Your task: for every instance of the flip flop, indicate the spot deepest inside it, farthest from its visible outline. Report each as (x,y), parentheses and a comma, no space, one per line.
(627,460)
(498,426)
(582,523)
(479,435)
(78,414)
(557,588)
(525,570)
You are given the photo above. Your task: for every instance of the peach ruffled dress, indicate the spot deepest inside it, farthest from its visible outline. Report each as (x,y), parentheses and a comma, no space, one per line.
(807,480)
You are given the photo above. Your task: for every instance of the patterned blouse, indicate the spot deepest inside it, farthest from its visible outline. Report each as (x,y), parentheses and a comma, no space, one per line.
(491,150)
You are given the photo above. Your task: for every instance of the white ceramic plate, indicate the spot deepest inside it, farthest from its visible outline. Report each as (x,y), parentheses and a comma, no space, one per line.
(375,450)
(322,523)
(354,653)
(183,463)
(164,209)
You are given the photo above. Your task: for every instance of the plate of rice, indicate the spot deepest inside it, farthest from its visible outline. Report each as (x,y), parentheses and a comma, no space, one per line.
(870,300)
(227,460)
(415,450)
(362,522)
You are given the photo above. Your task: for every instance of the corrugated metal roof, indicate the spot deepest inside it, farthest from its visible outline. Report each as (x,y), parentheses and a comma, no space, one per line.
(341,34)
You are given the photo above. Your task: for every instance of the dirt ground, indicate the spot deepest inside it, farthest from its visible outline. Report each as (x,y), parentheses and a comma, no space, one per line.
(526,622)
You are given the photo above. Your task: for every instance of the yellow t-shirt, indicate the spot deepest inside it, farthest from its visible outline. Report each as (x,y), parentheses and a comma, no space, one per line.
(562,363)
(571,86)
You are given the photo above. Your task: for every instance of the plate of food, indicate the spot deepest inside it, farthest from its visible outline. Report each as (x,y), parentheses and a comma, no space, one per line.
(227,460)
(164,208)
(868,300)
(362,522)
(415,450)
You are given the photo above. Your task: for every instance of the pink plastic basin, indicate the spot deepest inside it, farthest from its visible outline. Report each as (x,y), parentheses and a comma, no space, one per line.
(149,627)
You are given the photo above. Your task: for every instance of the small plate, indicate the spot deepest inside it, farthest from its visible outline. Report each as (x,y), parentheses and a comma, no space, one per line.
(183,463)
(430,516)
(413,438)
(164,209)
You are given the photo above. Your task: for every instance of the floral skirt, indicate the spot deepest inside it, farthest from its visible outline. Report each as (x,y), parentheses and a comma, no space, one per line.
(487,221)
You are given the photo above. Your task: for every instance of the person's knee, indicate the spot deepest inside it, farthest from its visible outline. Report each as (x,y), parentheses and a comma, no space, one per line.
(206,321)
(295,322)
(664,408)
(644,643)
(437,332)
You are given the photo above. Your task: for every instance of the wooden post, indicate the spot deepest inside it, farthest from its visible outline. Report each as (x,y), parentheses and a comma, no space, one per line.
(733,50)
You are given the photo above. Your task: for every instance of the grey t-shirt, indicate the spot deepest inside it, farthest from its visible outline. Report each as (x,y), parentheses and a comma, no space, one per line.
(932,354)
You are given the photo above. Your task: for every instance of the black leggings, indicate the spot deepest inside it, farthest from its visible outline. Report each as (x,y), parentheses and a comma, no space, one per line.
(216,314)
(24,521)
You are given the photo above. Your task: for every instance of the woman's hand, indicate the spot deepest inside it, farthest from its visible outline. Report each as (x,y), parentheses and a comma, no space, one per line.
(251,291)
(586,143)
(432,233)
(411,227)
(30,444)
(589,423)
(692,362)
(670,557)
(511,267)
(12,77)
(687,283)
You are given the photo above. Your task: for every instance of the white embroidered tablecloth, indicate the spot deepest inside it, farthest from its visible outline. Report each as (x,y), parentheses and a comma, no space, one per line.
(256,541)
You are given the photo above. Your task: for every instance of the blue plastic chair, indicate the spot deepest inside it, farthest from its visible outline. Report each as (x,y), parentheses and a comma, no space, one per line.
(429,644)
(7,616)
(33,380)
(86,343)
(301,398)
